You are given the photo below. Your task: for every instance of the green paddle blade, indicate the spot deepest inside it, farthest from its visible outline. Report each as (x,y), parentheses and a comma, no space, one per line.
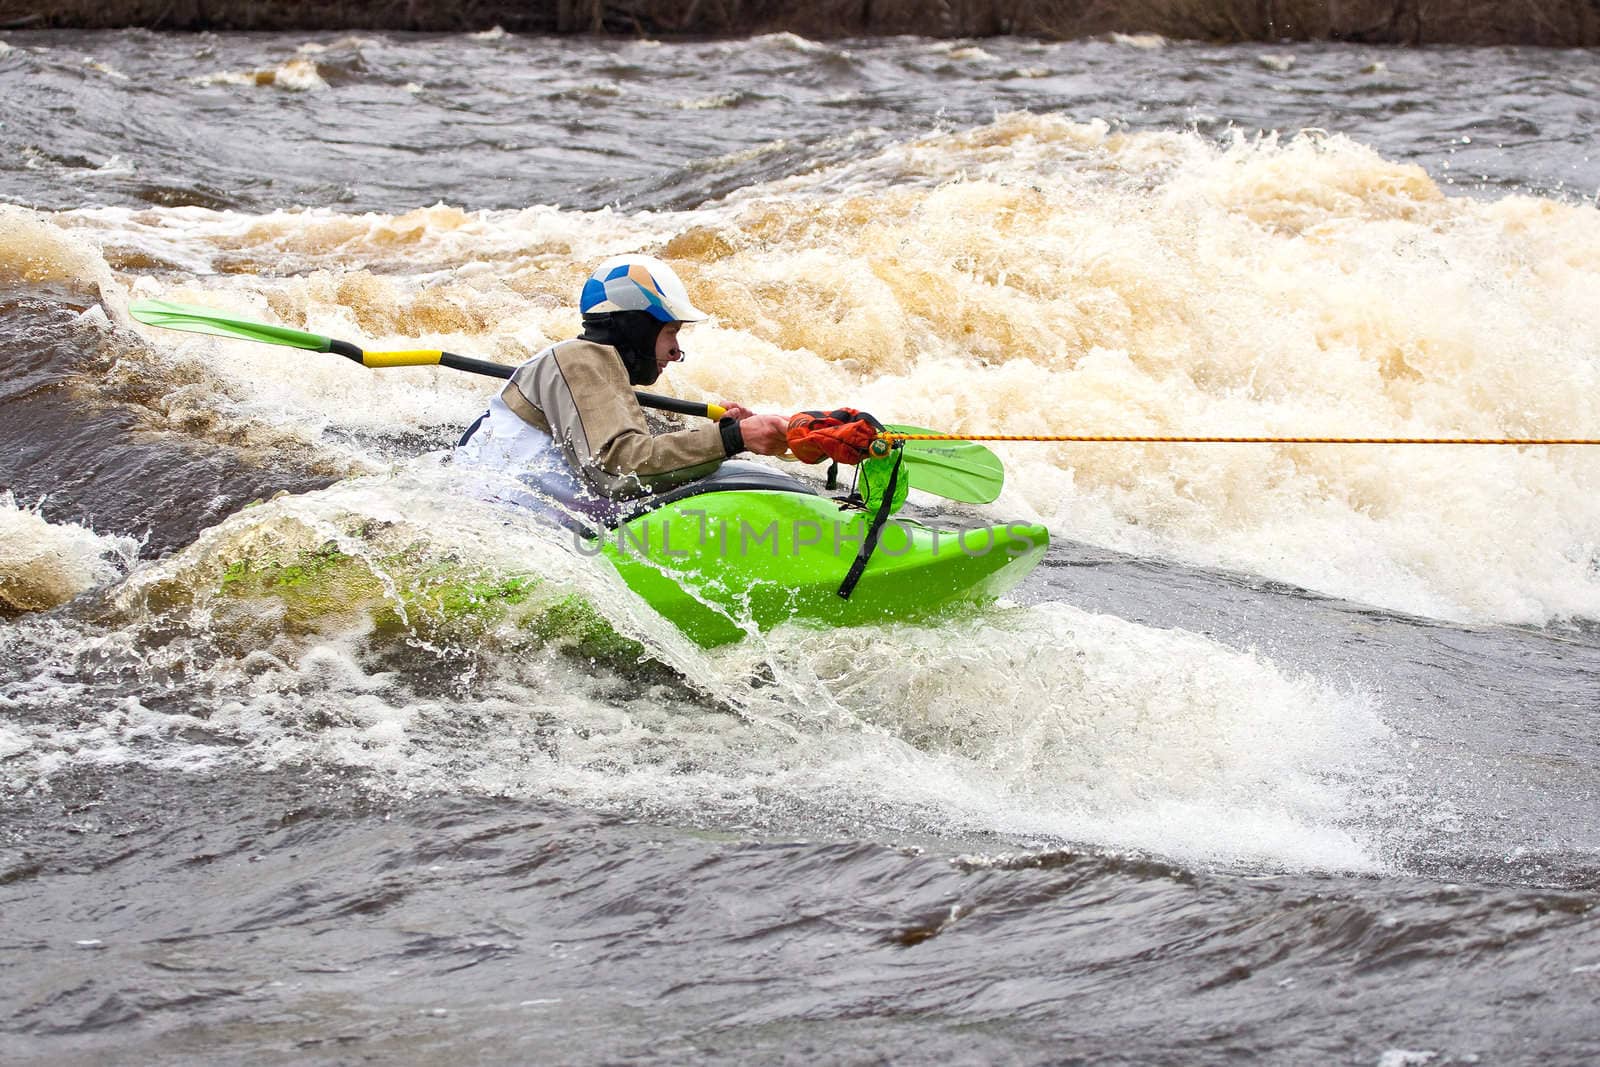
(963,471)
(873,481)
(205,320)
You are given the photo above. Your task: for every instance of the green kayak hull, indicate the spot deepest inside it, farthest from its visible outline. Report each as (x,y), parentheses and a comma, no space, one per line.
(721,565)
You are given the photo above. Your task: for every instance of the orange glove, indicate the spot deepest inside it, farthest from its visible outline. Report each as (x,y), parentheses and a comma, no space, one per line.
(844,435)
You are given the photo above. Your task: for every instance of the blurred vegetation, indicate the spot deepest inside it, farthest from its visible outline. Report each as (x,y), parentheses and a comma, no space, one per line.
(1408,22)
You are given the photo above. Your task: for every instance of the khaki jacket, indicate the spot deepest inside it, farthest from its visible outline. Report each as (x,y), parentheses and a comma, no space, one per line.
(578,392)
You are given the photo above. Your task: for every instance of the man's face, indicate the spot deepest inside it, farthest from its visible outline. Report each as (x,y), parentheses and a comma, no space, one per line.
(667,350)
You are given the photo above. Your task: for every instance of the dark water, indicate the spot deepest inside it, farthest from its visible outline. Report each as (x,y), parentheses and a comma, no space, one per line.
(512,121)
(1156,813)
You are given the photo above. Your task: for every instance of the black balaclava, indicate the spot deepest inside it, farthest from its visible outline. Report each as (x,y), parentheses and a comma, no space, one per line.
(631,333)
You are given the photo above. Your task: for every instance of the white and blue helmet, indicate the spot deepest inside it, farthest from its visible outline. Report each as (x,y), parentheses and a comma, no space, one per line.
(637,283)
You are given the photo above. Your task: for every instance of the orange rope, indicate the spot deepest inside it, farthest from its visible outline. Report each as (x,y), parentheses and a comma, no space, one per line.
(1152,439)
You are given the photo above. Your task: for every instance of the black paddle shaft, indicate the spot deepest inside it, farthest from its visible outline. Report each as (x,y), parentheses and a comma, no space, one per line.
(500,370)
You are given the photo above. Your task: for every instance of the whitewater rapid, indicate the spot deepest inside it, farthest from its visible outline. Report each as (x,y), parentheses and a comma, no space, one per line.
(1032,276)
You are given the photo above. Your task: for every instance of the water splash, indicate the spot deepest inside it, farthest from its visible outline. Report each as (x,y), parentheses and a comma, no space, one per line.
(393,628)
(1036,275)
(44,564)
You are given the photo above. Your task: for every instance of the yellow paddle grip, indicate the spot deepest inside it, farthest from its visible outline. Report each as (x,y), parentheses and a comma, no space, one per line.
(417,357)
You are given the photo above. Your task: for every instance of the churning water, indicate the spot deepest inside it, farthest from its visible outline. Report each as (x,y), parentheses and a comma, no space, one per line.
(1286,752)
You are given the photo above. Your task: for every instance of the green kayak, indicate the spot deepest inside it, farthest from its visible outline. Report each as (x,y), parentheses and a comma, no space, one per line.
(750,547)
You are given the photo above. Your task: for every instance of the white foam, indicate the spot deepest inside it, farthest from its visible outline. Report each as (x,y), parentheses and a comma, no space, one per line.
(793,42)
(1045,724)
(715,102)
(1061,278)
(44,564)
(35,250)
(1032,275)
(1048,725)
(101,68)
(1049,721)
(1036,275)
(13,742)
(1401,1057)
(295,75)
(1147,42)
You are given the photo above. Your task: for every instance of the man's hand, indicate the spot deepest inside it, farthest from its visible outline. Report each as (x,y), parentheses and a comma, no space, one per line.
(735,411)
(765,435)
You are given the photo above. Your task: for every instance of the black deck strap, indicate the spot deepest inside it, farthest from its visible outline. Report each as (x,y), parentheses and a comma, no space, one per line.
(472,429)
(870,543)
(833,475)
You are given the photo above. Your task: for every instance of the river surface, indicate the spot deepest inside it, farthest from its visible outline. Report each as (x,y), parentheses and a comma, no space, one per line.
(1286,754)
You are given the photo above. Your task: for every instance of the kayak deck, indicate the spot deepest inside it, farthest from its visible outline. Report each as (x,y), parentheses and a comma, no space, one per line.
(724,560)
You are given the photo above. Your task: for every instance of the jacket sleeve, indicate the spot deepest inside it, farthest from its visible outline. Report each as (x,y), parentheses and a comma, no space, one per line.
(579,393)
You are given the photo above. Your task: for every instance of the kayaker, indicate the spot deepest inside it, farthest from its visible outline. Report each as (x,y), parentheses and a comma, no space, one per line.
(571,410)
